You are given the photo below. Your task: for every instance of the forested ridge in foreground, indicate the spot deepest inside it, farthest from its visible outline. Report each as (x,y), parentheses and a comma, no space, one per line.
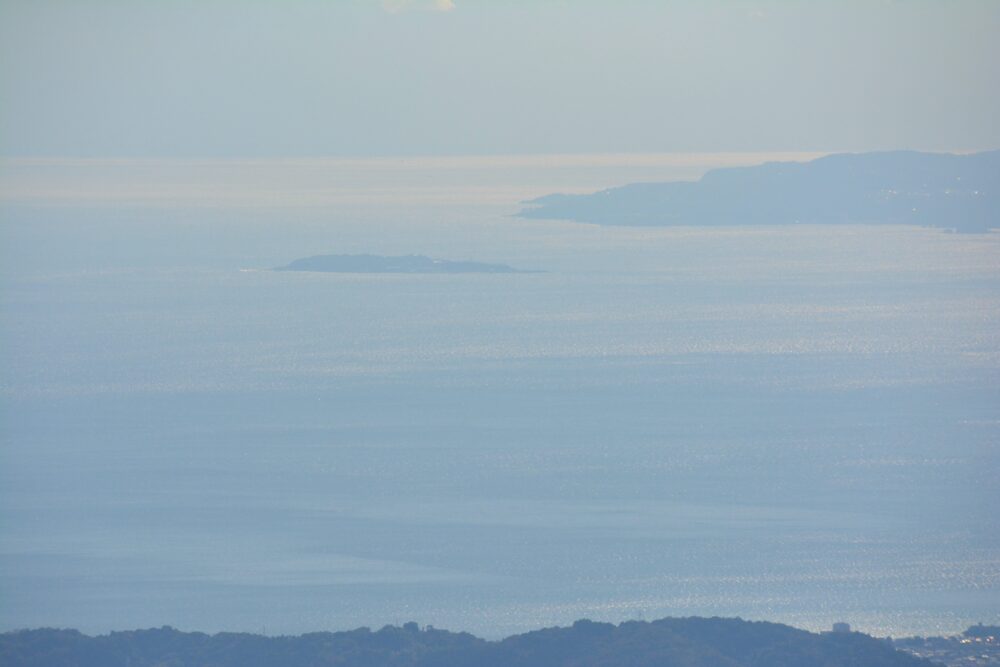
(676,642)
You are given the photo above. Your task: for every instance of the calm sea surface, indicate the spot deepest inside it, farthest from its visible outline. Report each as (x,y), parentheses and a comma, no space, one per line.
(792,424)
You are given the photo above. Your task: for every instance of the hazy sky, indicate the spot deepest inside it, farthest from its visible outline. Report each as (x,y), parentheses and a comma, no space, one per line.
(394,77)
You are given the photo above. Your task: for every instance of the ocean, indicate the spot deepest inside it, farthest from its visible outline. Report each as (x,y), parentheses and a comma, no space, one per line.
(797,424)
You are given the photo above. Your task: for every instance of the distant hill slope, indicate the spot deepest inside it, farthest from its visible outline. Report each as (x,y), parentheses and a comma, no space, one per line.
(981,630)
(382,264)
(960,192)
(684,642)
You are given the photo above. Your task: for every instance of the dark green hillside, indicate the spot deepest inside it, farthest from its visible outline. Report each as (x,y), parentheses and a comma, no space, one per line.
(684,642)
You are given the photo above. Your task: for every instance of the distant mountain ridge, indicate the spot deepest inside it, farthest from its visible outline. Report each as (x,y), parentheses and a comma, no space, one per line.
(677,642)
(396,264)
(960,192)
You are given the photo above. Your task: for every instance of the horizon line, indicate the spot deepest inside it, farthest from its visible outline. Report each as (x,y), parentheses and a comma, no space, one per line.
(616,158)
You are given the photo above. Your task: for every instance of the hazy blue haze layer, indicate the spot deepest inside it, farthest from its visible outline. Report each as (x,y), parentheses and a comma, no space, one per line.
(797,424)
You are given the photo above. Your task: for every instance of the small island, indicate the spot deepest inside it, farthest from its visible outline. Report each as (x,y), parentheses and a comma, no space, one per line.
(397,264)
(950,191)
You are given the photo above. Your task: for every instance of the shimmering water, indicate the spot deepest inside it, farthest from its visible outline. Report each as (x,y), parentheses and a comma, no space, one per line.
(799,425)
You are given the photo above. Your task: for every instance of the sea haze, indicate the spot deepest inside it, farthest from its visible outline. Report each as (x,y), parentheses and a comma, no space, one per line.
(797,424)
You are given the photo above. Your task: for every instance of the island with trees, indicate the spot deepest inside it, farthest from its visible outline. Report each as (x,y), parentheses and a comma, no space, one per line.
(678,642)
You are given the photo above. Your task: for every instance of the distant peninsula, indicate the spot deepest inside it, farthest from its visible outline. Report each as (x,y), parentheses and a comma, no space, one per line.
(398,264)
(687,642)
(959,192)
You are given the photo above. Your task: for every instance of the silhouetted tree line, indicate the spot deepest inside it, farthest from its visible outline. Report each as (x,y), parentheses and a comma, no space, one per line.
(684,642)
